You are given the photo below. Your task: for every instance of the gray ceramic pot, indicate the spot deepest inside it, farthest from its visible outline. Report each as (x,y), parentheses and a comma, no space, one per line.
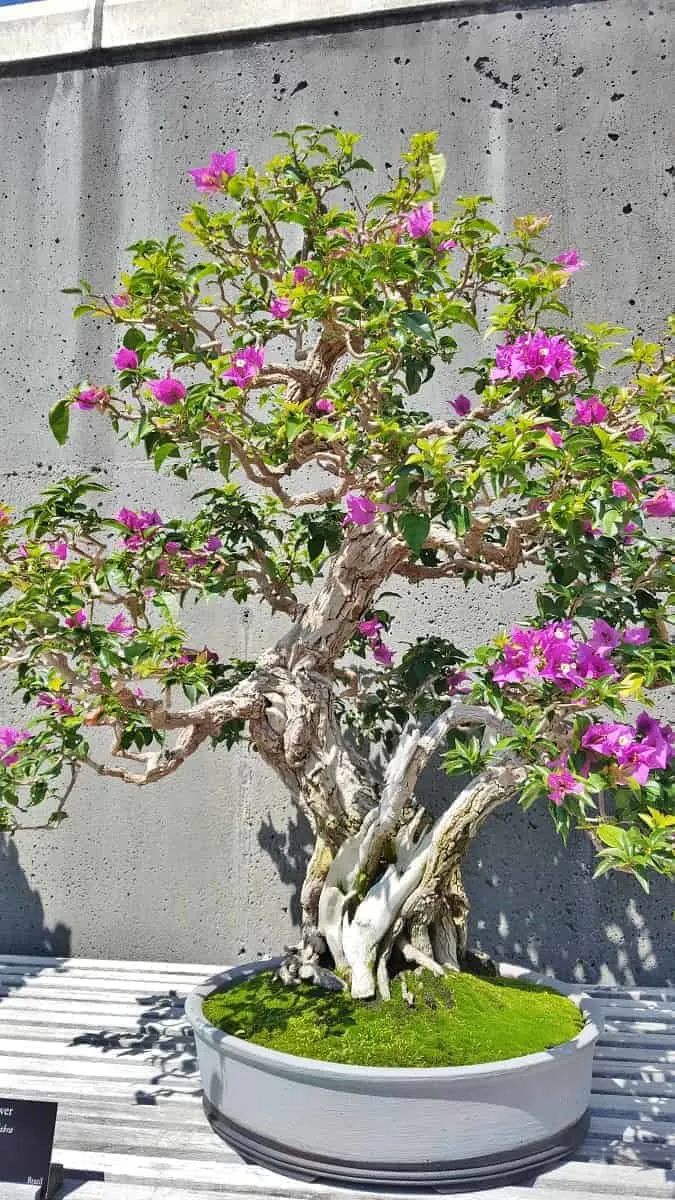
(440,1127)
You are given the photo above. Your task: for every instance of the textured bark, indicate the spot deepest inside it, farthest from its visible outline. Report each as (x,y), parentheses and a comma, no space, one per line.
(417,900)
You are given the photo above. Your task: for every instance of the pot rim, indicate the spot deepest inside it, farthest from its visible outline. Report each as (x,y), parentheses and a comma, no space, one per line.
(280,1062)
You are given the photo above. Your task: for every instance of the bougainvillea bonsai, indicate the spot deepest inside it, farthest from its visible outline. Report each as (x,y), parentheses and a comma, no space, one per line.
(281,370)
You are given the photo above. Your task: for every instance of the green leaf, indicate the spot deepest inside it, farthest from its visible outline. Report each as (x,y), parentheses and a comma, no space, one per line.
(418,323)
(225,460)
(437,165)
(59,420)
(415,529)
(166,450)
(413,378)
(611,835)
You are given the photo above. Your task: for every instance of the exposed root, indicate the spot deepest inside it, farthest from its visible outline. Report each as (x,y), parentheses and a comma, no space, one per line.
(412,955)
(382,970)
(301,965)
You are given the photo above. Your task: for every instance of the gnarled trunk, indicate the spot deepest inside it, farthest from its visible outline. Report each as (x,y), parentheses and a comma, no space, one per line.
(418,896)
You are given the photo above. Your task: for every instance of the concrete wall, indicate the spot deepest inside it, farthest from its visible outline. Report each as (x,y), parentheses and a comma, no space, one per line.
(550,108)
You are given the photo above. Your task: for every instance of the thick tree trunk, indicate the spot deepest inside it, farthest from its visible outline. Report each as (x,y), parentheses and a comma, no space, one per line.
(419,895)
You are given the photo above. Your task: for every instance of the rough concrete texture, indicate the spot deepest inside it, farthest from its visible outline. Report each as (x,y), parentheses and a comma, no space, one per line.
(553,108)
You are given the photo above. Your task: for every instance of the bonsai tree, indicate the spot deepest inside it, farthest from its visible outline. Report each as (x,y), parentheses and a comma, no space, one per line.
(281,369)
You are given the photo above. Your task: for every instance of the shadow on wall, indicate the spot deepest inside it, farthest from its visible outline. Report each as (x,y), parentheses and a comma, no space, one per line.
(535,903)
(22,923)
(289,850)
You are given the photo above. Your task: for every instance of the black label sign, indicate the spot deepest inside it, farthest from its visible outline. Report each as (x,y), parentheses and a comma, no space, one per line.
(26,1139)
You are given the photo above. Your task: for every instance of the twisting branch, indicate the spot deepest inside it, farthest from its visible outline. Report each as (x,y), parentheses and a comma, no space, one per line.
(412,754)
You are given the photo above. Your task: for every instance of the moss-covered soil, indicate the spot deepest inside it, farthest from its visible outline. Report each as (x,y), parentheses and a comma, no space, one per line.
(455,1021)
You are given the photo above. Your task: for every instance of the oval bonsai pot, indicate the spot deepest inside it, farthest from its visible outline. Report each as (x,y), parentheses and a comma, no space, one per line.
(438,1127)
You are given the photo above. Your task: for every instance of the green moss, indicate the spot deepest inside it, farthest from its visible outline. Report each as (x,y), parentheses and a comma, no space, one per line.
(456,1021)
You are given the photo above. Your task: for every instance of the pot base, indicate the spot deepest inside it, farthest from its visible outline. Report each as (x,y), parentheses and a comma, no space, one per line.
(487,1171)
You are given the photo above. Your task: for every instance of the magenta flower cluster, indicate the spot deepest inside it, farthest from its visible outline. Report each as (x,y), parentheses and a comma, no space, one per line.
(58,704)
(570,260)
(372,631)
(534,356)
(187,559)
(418,222)
(280,308)
(561,782)
(246,365)
(361,510)
(139,522)
(125,359)
(138,525)
(121,625)
(92,397)
(9,740)
(215,176)
(168,390)
(553,655)
(589,411)
(636,749)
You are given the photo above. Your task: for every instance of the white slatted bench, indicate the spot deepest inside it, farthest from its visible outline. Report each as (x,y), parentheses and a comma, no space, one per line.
(109,1042)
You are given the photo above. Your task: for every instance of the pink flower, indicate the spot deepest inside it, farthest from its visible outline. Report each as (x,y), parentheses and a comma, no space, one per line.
(554,437)
(621,491)
(534,355)
(361,510)
(458,682)
(637,635)
(213,542)
(22,550)
(371,628)
(383,655)
(590,411)
(418,222)
(605,637)
(446,246)
(661,504)
(636,750)
(121,625)
(590,530)
(281,307)
(637,435)
(569,259)
(125,360)
(95,676)
(629,528)
(461,405)
(90,398)
(168,390)
(76,620)
(139,522)
(9,739)
(246,364)
(122,300)
(610,738)
(59,703)
(561,782)
(325,406)
(221,168)
(172,547)
(300,274)
(59,550)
